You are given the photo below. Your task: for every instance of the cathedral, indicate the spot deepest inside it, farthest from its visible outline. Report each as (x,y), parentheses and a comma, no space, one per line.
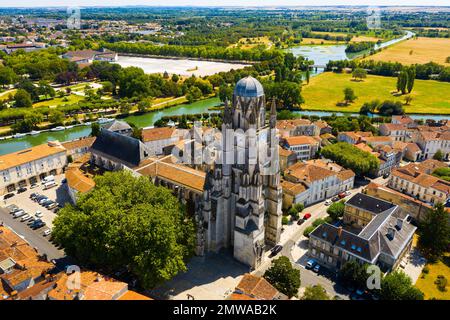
(242,198)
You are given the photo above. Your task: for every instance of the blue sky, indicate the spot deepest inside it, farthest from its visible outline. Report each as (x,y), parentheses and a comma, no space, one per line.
(65,3)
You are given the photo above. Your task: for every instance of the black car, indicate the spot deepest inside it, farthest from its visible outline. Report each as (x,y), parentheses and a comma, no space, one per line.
(275,250)
(21,190)
(334,199)
(300,221)
(7,196)
(34,195)
(386,175)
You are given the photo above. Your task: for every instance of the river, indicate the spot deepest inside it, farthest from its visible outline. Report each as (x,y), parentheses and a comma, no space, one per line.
(144,120)
(322,54)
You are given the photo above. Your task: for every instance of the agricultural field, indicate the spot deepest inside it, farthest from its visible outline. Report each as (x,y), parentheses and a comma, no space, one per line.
(426,282)
(420,50)
(248,43)
(325,90)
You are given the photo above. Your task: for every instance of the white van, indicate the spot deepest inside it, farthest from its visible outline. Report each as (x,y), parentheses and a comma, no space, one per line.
(49,185)
(48,179)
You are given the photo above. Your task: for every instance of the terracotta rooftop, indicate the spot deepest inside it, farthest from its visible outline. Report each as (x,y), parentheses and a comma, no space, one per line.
(284,152)
(292,188)
(79,143)
(256,287)
(78,181)
(154,134)
(31,154)
(298,140)
(93,286)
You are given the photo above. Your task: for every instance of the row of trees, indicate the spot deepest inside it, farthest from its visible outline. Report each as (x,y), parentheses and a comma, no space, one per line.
(405,80)
(385,108)
(392,69)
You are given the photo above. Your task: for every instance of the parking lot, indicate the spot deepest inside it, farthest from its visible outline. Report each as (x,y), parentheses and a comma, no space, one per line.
(57,194)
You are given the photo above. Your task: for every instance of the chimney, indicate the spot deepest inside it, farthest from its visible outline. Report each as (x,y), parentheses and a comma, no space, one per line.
(399,224)
(339,232)
(391,233)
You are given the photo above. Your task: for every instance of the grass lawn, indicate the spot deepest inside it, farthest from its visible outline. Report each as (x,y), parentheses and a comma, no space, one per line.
(59,101)
(5,94)
(420,50)
(325,90)
(427,285)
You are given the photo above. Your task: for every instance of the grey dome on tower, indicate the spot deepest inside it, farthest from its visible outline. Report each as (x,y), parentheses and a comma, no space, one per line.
(248,87)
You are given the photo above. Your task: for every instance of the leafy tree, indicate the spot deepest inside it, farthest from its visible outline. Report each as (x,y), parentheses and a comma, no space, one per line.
(287,93)
(299,207)
(22,99)
(389,108)
(408,100)
(225,92)
(398,286)
(56,117)
(349,95)
(7,76)
(354,274)
(283,276)
(336,210)
(308,230)
(402,81)
(439,155)
(316,292)
(175,78)
(29,122)
(411,71)
(95,129)
(128,222)
(359,73)
(434,232)
(144,105)
(350,157)
(307,75)
(45,89)
(286,115)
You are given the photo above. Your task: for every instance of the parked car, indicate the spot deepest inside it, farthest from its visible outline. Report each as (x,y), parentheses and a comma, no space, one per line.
(48,203)
(347,193)
(52,206)
(25,217)
(34,185)
(342,195)
(328,202)
(300,221)
(334,199)
(316,268)
(8,195)
(31,221)
(307,216)
(311,263)
(275,250)
(38,214)
(18,214)
(21,190)
(386,175)
(37,224)
(47,232)
(12,208)
(43,200)
(33,195)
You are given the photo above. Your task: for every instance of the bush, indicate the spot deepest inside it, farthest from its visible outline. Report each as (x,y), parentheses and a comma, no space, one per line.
(441,283)
(285,220)
(299,207)
(426,270)
(308,230)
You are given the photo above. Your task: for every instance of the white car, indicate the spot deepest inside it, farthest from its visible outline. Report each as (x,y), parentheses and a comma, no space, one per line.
(38,214)
(347,193)
(328,202)
(47,232)
(25,217)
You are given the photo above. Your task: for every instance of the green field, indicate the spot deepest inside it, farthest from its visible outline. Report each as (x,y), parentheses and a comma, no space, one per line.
(71,99)
(325,90)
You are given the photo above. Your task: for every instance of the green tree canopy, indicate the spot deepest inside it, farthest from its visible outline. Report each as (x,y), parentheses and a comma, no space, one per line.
(397,285)
(439,155)
(128,222)
(434,232)
(316,292)
(336,210)
(22,99)
(283,276)
(350,157)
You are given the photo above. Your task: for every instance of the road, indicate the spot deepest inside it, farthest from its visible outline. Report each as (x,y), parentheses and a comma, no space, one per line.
(33,237)
(293,235)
